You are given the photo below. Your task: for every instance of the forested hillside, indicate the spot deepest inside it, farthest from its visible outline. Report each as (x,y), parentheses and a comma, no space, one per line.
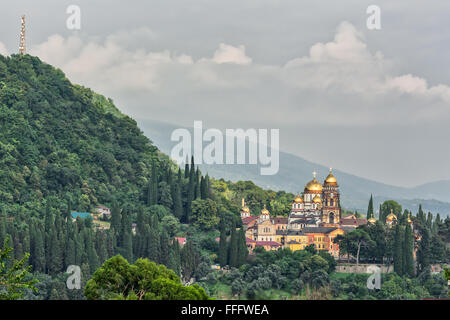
(62,141)
(64,148)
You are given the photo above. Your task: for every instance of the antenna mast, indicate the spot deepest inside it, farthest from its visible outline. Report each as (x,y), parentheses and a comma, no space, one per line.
(22,48)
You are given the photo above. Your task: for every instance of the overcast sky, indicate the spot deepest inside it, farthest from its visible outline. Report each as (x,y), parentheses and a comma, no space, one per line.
(375,103)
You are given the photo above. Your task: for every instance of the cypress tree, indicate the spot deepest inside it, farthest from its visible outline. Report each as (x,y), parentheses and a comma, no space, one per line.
(39,252)
(424,251)
(370,208)
(421,216)
(69,210)
(110,243)
(190,259)
(153,245)
(92,253)
(197,194)
(2,230)
(208,192)
(429,221)
(437,222)
(190,192)
(128,247)
(177,204)
(164,252)
(223,244)
(186,168)
(233,250)
(69,253)
(398,246)
(152,196)
(115,218)
(55,255)
(174,257)
(408,247)
(242,248)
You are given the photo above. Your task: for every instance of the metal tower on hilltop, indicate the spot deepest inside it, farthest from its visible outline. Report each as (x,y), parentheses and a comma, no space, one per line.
(22,47)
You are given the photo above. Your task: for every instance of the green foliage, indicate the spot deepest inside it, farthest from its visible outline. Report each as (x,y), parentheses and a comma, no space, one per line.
(386,208)
(145,280)
(13,275)
(370,213)
(204,214)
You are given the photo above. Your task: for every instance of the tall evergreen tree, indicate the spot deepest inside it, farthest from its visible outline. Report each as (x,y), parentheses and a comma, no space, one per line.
(436,224)
(408,247)
(190,192)
(153,246)
(190,259)
(421,216)
(429,221)
(177,202)
(423,252)
(233,248)
(116,217)
(370,208)
(174,261)
(197,193)
(398,246)
(223,254)
(38,252)
(128,247)
(164,251)
(242,248)
(152,196)
(55,255)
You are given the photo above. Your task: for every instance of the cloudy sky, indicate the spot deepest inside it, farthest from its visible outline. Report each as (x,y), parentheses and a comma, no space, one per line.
(375,103)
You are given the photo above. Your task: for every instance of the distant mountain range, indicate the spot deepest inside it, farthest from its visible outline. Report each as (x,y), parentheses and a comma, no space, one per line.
(295,172)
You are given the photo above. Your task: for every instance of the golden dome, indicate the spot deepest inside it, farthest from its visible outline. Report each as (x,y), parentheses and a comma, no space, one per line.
(265,211)
(313,186)
(409,217)
(317,199)
(330,179)
(245,209)
(391,216)
(372,220)
(298,199)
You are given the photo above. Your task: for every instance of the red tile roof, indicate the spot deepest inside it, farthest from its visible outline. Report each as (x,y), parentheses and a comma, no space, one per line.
(247,220)
(268,243)
(181,240)
(280,220)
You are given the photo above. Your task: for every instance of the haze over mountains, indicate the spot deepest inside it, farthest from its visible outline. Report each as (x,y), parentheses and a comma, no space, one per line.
(295,172)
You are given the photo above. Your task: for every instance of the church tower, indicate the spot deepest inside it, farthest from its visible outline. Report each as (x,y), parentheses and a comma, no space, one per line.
(245,211)
(22,44)
(331,210)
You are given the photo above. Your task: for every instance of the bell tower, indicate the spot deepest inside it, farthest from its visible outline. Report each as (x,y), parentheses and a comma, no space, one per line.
(331,210)
(22,45)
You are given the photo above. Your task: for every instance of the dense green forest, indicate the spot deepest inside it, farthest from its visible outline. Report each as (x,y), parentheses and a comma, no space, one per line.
(64,148)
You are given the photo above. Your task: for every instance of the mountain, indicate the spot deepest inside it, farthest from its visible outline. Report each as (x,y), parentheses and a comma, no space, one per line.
(63,141)
(295,172)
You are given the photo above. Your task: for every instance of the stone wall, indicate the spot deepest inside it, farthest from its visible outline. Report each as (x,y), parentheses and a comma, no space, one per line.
(361,268)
